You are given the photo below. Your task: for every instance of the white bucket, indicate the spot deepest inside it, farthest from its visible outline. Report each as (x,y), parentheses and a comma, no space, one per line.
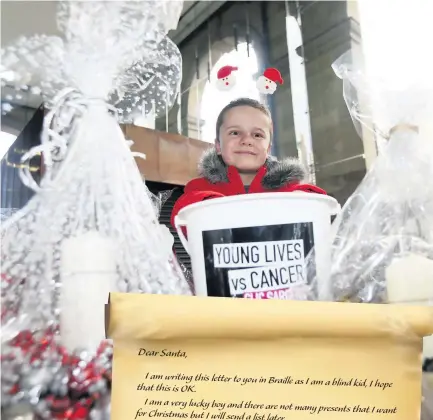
(255,245)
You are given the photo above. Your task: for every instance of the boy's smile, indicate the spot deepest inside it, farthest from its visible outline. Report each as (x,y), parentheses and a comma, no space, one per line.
(245,152)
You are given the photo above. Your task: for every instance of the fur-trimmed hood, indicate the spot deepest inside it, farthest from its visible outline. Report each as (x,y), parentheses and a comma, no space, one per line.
(278,174)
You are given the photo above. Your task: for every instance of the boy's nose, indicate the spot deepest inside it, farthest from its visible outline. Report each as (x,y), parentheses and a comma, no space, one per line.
(247,140)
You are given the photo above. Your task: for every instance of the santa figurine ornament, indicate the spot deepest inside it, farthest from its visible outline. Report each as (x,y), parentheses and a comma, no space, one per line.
(267,84)
(226,79)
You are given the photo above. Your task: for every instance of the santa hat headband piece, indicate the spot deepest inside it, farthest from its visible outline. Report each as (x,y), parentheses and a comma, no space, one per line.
(266,83)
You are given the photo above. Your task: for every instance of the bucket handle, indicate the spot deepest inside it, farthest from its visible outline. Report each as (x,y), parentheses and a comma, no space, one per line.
(337,209)
(335,212)
(178,224)
(335,219)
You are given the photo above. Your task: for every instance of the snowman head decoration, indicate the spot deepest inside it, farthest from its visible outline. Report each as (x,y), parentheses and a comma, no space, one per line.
(226,79)
(267,83)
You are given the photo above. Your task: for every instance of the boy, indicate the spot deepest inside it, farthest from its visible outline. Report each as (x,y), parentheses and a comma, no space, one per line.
(240,162)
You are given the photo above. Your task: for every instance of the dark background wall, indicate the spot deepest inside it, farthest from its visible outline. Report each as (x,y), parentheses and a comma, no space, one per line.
(14,194)
(208,30)
(329,29)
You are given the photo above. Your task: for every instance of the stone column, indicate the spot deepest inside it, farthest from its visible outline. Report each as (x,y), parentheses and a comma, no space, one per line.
(329,29)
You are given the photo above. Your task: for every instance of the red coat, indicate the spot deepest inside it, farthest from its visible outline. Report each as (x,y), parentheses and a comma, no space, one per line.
(221,181)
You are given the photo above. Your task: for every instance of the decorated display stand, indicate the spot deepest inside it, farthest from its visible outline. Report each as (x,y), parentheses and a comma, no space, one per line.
(91,228)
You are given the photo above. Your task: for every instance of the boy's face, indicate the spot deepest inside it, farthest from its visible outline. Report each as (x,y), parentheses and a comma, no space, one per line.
(245,138)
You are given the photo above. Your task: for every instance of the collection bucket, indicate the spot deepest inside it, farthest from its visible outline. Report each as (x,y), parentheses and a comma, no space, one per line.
(256,245)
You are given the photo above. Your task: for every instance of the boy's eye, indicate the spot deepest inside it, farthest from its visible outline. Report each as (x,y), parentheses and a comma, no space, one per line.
(259,135)
(234,133)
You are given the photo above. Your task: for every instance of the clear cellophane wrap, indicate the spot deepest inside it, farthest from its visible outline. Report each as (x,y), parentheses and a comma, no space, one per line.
(91,180)
(389,217)
(112,63)
(382,250)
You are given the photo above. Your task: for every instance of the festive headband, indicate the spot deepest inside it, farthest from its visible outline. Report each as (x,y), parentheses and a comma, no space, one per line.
(266,83)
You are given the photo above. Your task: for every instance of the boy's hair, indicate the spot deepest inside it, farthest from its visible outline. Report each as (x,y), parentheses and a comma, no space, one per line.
(241,102)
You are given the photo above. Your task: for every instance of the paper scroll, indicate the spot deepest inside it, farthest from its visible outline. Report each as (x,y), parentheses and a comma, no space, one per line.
(237,359)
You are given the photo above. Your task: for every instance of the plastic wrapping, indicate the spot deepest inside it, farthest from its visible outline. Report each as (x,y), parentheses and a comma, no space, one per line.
(91,182)
(138,67)
(159,200)
(389,218)
(149,86)
(382,251)
(6,213)
(92,227)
